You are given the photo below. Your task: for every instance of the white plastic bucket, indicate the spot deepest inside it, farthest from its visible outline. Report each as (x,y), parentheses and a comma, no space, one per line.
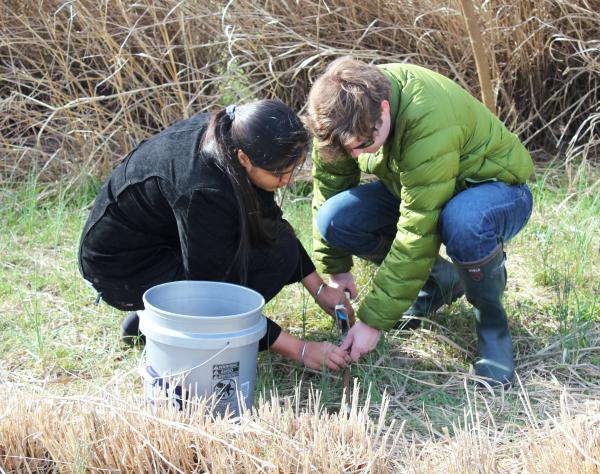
(202,340)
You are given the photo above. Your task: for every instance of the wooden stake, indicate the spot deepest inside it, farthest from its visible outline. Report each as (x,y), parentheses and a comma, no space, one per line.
(346,387)
(487,93)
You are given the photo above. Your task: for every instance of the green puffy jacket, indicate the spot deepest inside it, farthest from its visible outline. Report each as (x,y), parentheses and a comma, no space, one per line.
(441,140)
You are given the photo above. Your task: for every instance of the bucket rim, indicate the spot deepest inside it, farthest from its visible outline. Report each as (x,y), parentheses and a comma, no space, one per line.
(148,305)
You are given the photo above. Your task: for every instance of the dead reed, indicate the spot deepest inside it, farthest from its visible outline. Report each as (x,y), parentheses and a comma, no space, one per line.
(45,433)
(82,81)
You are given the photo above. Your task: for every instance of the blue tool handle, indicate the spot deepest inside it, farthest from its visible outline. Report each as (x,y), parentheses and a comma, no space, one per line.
(341,315)
(340,309)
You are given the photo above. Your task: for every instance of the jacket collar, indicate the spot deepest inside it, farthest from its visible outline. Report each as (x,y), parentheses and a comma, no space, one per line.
(394,96)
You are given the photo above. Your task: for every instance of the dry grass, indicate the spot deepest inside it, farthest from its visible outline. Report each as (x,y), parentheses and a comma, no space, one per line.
(45,433)
(81,81)
(84,80)
(41,432)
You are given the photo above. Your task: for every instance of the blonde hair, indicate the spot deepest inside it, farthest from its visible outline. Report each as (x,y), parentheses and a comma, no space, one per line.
(345,103)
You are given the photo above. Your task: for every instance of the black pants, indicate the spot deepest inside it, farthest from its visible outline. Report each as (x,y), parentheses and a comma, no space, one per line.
(269,270)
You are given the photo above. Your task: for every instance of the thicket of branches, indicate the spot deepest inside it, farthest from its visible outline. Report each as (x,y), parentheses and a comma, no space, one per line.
(82,81)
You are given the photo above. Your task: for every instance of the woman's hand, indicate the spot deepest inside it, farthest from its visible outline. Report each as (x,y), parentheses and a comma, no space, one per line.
(343,281)
(324,354)
(329,297)
(315,355)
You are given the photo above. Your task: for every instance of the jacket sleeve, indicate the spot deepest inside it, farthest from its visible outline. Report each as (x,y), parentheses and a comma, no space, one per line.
(207,222)
(329,178)
(272,211)
(428,167)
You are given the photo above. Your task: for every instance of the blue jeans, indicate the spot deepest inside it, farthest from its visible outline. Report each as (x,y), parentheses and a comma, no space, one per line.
(471,224)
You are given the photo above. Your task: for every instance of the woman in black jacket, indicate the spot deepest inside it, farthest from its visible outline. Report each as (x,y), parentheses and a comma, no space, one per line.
(196,202)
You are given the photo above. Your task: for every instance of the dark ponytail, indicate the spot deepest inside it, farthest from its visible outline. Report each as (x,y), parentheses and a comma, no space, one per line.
(273,137)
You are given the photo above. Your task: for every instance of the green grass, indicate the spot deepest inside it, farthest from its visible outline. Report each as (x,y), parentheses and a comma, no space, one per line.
(50,330)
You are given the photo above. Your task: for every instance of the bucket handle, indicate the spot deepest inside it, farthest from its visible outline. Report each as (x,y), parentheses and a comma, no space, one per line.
(151,378)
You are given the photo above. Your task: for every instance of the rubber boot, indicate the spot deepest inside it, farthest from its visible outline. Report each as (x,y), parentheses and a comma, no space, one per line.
(484,284)
(130,330)
(443,286)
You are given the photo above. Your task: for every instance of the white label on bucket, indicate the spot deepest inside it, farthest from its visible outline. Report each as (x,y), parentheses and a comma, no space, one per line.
(245,389)
(225,389)
(224,382)
(226,371)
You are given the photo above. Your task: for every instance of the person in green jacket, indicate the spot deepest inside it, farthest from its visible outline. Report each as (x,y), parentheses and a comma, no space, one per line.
(448,171)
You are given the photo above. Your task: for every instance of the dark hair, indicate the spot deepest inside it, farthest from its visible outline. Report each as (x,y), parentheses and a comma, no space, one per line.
(273,137)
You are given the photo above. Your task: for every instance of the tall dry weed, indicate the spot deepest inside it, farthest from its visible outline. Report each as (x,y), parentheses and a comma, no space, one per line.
(39,432)
(82,81)
(44,433)
(544,55)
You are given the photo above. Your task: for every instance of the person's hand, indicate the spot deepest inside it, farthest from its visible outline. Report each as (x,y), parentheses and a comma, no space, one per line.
(360,340)
(344,281)
(329,297)
(325,354)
